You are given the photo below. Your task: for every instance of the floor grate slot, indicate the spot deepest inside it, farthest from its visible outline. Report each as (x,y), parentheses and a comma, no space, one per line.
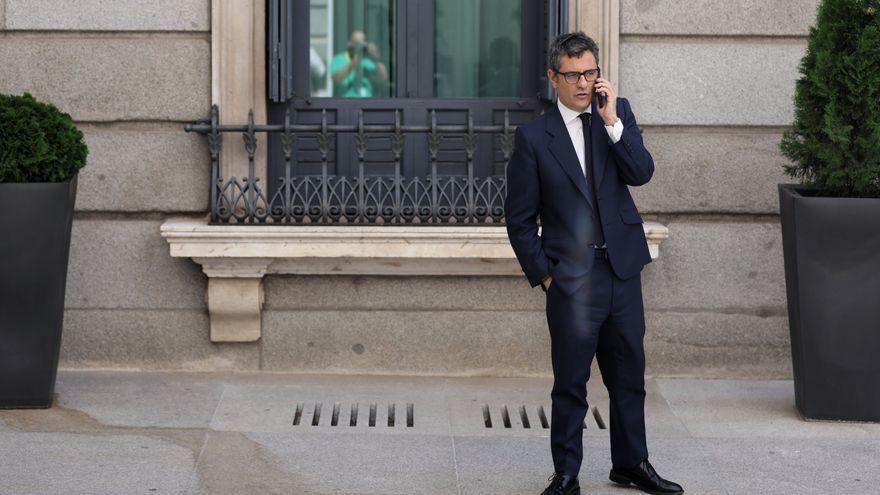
(410,415)
(524,417)
(297,416)
(334,420)
(391,415)
(372,414)
(487,416)
(354,415)
(598,417)
(505,417)
(317,416)
(543,417)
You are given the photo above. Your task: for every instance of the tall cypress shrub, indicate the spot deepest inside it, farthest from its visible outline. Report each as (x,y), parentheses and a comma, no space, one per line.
(835,140)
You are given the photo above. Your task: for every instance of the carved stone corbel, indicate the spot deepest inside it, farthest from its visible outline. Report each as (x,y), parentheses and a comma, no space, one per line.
(235,297)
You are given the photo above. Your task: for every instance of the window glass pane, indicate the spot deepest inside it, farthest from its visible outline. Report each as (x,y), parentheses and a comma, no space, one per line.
(477,48)
(352,48)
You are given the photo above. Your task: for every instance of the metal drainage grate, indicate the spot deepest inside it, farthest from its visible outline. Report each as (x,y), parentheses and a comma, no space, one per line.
(301,416)
(526,421)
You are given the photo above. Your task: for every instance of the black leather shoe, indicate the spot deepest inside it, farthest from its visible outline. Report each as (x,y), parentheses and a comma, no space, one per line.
(562,484)
(645,478)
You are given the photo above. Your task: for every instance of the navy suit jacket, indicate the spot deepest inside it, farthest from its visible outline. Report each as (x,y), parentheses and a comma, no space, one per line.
(545,179)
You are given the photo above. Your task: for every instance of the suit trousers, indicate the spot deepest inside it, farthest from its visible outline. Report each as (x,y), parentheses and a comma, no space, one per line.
(605,318)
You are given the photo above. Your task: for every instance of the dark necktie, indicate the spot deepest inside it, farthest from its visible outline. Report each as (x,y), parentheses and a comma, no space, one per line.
(588,175)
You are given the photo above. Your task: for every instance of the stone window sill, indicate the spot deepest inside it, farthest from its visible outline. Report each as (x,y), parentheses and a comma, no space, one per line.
(236,257)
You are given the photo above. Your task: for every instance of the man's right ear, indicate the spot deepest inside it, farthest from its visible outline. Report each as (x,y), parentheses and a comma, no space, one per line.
(551,76)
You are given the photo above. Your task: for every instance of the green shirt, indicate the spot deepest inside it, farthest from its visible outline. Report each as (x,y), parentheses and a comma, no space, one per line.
(349,87)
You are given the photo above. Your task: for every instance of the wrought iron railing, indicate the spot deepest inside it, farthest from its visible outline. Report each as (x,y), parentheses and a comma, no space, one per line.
(327,198)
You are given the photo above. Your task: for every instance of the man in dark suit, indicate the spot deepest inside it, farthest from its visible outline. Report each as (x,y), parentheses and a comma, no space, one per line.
(571,167)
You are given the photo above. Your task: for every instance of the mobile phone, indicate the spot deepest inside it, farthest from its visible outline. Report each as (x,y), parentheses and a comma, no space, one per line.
(600,96)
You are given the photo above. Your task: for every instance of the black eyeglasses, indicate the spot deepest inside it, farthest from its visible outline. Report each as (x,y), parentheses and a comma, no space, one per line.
(590,75)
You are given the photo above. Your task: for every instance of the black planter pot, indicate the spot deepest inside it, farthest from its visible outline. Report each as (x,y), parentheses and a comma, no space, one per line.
(34,247)
(832,278)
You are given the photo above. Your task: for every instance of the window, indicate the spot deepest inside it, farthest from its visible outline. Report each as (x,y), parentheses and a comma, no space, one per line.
(416,63)
(467,48)
(352,48)
(478,49)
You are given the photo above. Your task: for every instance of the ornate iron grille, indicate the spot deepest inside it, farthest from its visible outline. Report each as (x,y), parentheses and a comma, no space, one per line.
(327,198)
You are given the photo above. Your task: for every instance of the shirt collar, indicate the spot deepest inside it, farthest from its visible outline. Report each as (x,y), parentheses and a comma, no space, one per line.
(569,115)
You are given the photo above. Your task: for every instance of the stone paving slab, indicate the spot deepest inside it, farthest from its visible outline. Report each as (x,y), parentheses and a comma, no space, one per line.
(318,463)
(747,408)
(115,432)
(158,400)
(74,463)
(522,465)
(798,466)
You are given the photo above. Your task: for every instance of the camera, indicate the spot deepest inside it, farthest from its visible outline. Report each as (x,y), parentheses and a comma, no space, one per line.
(358,49)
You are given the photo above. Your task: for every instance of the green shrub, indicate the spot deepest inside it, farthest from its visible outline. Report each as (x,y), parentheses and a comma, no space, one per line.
(38,143)
(835,140)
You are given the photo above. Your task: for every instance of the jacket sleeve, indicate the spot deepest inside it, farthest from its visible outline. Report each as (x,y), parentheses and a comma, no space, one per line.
(521,209)
(635,166)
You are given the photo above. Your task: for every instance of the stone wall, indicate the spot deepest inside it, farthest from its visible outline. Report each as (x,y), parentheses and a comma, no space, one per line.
(130,74)
(711,83)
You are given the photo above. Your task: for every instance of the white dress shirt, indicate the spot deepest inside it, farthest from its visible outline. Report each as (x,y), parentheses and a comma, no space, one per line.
(575,128)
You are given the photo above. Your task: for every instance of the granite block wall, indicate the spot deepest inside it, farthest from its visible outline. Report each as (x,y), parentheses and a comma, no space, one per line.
(711,83)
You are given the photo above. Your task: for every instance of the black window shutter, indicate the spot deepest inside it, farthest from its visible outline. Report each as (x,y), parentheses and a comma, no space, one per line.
(280,50)
(555,22)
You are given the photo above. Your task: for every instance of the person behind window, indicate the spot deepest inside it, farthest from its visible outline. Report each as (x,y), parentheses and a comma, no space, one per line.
(500,77)
(358,71)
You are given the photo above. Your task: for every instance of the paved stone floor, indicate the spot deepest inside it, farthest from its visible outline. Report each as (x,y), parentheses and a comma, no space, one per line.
(229,433)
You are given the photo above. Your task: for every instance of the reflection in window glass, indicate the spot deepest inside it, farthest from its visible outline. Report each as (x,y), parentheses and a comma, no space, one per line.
(477,48)
(352,48)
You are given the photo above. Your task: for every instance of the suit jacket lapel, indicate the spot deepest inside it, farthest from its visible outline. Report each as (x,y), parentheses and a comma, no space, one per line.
(601,141)
(562,149)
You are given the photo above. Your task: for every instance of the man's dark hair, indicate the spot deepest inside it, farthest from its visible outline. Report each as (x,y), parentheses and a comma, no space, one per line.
(571,45)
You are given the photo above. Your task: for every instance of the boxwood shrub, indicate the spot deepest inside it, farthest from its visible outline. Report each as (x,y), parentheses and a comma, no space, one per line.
(38,142)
